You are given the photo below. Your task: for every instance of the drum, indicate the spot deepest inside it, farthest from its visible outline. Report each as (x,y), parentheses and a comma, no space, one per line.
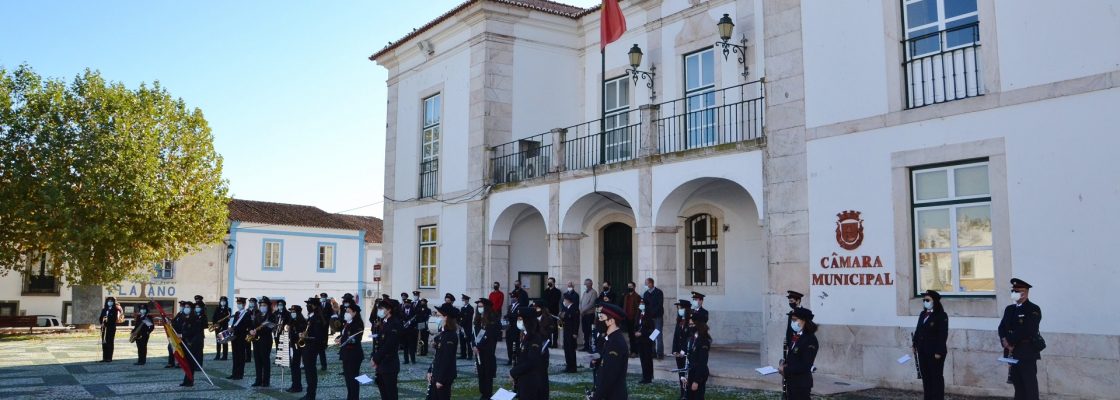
(225,336)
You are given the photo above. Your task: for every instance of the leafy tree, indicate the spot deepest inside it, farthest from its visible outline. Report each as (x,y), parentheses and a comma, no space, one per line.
(104,179)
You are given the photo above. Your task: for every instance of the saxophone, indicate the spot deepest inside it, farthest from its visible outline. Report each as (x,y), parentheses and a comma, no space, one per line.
(303,336)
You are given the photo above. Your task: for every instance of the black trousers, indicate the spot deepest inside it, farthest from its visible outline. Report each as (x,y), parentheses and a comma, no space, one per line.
(1024,376)
(645,354)
(142,350)
(294,365)
(238,357)
(387,386)
(798,393)
(195,346)
(443,393)
(681,361)
(487,370)
(249,352)
(513,343)
(107,343)
(630,331)
(570,338)
(424,335)
(322,355)
(352,357)
(221,350)
(466,339)
(701,381)
(309,354)
(262,349)
(585,322)
(170,356)
(933,376)
(409,345)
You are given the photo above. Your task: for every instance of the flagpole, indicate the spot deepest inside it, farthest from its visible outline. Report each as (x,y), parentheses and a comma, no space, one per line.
(602,101)
(196,363)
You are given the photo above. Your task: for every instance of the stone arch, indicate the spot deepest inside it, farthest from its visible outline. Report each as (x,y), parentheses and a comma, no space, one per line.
(503,224)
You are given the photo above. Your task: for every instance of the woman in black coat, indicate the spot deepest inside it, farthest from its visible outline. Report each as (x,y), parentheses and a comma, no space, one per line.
(528,371)
(350,349)
(442,373)
(697,349)
(797,367)
(645,346)
(111,315)
(930,337)
(486,342)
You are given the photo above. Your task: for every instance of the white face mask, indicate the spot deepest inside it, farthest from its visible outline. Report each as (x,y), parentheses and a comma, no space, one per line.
(481,309)
(567,304)
(796,326)
(348,317)
(521,326)
(927,304)
(198,310)
(183,311)
(223,304)
(1015,296)
(264,309)
(695,306)
(240,307)
(642,307)
(294,314)
(110,304)
(381,313)
(569,288)
(439,322)
(142,312)
(680,312)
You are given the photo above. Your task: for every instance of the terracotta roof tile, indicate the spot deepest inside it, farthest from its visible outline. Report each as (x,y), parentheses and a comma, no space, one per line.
(372,226)
(546,6)
(254,213)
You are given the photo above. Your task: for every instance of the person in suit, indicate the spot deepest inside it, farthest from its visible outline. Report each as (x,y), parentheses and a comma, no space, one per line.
(630,300)
(297,325)
(611,377)
(317,328)
(682,333)
(349,343)
(569,317)
(423,315)
(930,338)
(655,300)
(385,360)
(643,327)
(552,302)
(587,302)
(698,347)
(530,372)
(466,329)
(609,296)
(698,305)
(486,344)
(442,373)
(410,315)
(241,322)
(262,347)
(797,367)
(144,327)
(1018,333)
(111,316)
(513,336)
(221,350)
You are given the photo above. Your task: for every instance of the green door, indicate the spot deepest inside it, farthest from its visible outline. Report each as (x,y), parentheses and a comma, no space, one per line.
(618,256)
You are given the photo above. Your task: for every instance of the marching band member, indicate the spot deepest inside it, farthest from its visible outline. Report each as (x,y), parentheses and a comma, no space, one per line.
(297,326)
(797,368)
(111,315)
(682,333)
(569,316)
(262,346)
(177,324)
(529,372)
(698,347)
(513,337)
(327,312)
(643,327)
(193,333)
(144,327)
(423,315)
(241,323)
(1018,334)
(317,329)
(408,344)
(466,330)
(931,337)
(385,360)
(614,354)
(221,318)
(486,344)
(442,373)
(349,343)
(255,312)
(283,319)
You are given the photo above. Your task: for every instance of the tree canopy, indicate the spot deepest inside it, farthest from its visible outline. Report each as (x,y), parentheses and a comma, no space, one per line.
(105,180)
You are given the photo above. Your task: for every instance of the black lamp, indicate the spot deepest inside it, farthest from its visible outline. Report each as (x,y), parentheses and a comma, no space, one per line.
(636,61)
(726,28)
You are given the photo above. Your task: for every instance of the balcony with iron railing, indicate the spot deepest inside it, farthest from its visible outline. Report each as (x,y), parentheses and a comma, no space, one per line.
(942,66)
(704,120)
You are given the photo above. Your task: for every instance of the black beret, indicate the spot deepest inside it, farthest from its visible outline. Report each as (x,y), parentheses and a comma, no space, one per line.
(527,313)
(794,295)
(239,300)
(223,298)
(485,302)
(324,294)
(415,292)
(407,300)
(404,295)
(684,303)
(803,314)
(296,308)
(253,299)
(347,296)
(387,304)
(312,300)
(448,310)
(197,297)
(110,298)
(1020,284)
(932,294)
(613,312)
(143,306)
(385,296)
(465,297)
(265,300)
(353,306)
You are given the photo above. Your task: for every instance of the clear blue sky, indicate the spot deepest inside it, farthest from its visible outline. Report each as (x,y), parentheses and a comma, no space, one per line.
(296,108)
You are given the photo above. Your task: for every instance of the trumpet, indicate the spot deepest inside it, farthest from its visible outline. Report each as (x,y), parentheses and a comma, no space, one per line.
(214,327)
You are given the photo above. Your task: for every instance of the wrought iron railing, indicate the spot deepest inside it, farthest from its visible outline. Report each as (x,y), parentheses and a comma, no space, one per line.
(594,142)
(729,115)
(942,66)
(429,178)
(522,159)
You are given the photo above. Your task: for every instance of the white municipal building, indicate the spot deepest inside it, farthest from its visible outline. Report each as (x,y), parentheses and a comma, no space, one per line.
(860,152)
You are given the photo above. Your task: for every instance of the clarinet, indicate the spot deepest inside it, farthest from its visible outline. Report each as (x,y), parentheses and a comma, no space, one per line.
(917,364)
(785,350)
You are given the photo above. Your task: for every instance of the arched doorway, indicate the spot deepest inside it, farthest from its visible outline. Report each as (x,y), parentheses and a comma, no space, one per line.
(618,254)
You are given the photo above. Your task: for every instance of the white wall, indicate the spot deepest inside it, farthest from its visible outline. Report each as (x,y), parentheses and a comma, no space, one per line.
(1044,41)
(528,249)
(299,277)
(1061,182)
(839,71)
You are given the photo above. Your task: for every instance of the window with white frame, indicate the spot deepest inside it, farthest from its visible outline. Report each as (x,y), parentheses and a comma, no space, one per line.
(164,270)
(273,253)
(429,146)
(700,98)
(952,207)
(941,61)
(617,140)
(702,240)
(429,256)
(326,256)
(924,18)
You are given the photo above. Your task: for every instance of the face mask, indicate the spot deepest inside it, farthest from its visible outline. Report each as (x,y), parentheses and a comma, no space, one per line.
(570,288)
(142,312)
(680,312)
(183,311)
(521,325)
(1015,296)
(695,306)
(795,325)
(110,304)
(240,307)
(223,304)
(381,313)
(927,304)
(252,306)
(348,317)
(642,307)
(439,322)
(551,285)
(495,287)
(480,309)
(629,289)
(346,304)
(567,304)
(793,305)
(606,288)
(294,315)
(264,309)
(198,310)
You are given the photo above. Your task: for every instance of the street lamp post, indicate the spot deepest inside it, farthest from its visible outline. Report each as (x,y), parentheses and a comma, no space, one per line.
(636,61)
(726,28)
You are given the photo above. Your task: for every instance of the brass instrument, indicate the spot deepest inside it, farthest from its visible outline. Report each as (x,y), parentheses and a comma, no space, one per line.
(303,336)
(214,327)
(135,333)
(252,337)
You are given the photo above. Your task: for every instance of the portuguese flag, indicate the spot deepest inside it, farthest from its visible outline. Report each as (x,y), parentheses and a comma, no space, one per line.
(176,343)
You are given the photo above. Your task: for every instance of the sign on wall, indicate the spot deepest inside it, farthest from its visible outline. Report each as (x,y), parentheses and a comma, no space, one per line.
(846,269)
(141,291)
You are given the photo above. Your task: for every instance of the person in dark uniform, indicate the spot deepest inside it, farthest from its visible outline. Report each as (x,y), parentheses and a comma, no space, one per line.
(442,373)
(698,347)
(1018,333)
(349,343)
(530,373)
(607,295)
(111,315)
(409,314)
(385,360)
(552,301)
(255,312)
(262,346)
(794,299)
(513,336)
(797,367)
(241,322)
(682,335)
(144,325)
(194,336)
(486,344)
(283,319)
(327,311)
(698,305)
(317,329)
(297,325)
(177,324)
(466,330)
(611,380)
(423,316)
(930,338)
(221,350)
(569,319)
(546,322)
(643,327)
(521,295)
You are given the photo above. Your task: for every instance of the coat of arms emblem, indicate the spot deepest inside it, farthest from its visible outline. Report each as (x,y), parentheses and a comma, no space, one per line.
(849,230)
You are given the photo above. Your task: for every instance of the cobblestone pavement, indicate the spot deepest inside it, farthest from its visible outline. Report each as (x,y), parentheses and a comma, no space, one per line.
(63,366)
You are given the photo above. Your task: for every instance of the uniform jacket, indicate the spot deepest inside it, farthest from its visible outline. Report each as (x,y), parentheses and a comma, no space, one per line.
(144,328)
(531,370)
(698,349)
(1020,327)
(318,331)
(552,300)
(295,328)
(386,355)
(443,364)
(681,335)
(612,374)
(219,313)
(800,357)
(932,333)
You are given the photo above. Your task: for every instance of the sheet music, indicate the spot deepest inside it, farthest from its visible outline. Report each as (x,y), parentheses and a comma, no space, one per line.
(767,370)
(653,335)
(363,379)
(503,394)
(1011,361)
(904,359)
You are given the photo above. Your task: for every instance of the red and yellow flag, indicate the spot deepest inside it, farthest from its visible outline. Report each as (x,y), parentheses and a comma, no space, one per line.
(176,343)
(612,24)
